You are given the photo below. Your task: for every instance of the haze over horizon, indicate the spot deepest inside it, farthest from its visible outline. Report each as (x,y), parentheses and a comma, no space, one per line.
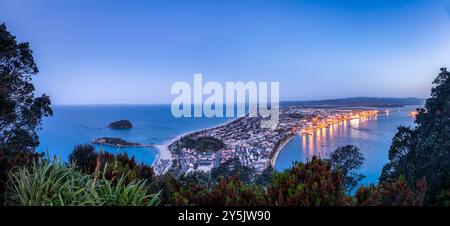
(111,52)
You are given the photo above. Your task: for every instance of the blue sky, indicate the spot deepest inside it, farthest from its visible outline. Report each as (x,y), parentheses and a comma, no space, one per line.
(105,52)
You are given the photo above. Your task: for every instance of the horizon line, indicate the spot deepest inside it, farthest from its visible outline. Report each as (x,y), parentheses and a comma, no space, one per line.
(281,101)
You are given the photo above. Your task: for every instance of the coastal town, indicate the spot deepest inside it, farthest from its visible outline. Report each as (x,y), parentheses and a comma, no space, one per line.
(254,146)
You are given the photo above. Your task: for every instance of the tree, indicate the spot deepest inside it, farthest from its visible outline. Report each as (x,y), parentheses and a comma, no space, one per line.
(20,111)
(231,168)
(348,160)
(403,143)
(265,177)
(424,152)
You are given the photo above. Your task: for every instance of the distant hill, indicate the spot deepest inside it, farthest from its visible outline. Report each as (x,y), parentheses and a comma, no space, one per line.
(359,102)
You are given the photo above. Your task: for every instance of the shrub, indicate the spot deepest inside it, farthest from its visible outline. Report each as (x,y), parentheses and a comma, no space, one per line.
(424,151)
(9,161)
(310,184)
(50,184)
(391,193)
(233,192)
(227,192)
(85,157)
(115,166)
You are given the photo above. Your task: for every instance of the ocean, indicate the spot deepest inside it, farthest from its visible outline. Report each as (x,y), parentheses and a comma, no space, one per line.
(72,125)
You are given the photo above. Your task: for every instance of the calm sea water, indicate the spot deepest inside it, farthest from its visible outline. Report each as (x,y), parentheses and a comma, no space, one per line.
(373,136)
(71,125)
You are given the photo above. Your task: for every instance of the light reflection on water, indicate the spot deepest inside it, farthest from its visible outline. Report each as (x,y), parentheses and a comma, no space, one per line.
(318,143)
(372,135)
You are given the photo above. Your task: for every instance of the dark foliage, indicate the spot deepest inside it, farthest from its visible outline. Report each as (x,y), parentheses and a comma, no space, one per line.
(265,177)
(348,160)
(232,168)
(313,183)
(20,111)
(424,152)
(197,177)
(113,166)
(403,141)
(310,184)
(168,186)
(9,161)
(202,144)
(85,157)
(391,193)
(226,192)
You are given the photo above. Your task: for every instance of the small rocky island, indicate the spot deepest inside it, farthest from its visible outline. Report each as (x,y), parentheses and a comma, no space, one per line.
(121,124)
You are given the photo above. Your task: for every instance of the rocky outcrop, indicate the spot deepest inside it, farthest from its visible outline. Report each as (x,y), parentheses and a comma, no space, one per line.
(121,124)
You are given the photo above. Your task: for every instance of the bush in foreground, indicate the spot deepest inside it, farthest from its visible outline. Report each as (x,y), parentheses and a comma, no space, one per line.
(391,193)
(9,161)
(312,184)
(88,160)
(424,151)
(57,184)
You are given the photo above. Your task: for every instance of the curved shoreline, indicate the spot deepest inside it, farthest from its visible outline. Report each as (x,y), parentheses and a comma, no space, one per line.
(273,158)
(164,152)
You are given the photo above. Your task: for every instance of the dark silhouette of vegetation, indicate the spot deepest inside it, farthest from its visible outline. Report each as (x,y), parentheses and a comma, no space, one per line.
(311,184)
(424,151)
(168,186)
(314,183)
(10,161)
(55,183)
(391,193)
(84,156)
(20,111)
(348,160)
(202,143)
(265,177)
(197,177)
(114,166)
(226,192)
(232,168)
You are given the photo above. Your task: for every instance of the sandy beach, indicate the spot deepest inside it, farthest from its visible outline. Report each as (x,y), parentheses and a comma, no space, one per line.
(277,151)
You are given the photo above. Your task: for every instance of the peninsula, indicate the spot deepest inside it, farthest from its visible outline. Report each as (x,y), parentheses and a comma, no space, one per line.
(118,142)
(246,140)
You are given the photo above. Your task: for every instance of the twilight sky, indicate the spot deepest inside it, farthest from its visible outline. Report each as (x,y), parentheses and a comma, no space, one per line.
(106,51)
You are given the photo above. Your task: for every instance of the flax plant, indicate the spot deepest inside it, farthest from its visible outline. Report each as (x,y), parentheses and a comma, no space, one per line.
(54,183)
